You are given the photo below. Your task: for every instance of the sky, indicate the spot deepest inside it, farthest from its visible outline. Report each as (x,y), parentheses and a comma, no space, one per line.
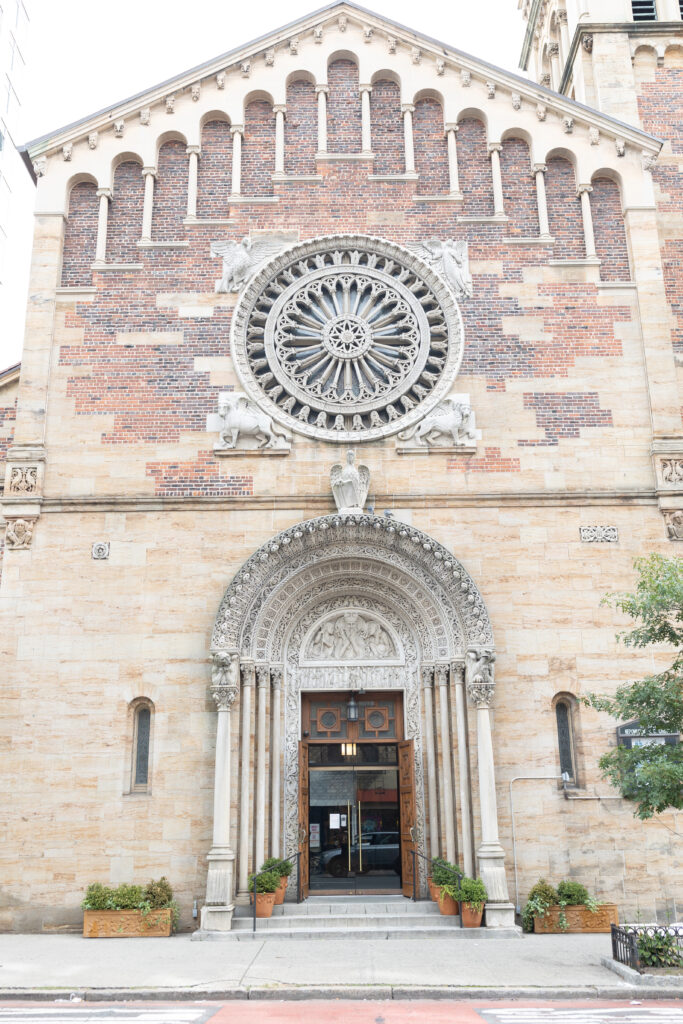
(84,55)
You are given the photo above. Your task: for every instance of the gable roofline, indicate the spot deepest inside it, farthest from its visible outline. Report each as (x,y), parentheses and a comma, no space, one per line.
(10,375)
(102,118)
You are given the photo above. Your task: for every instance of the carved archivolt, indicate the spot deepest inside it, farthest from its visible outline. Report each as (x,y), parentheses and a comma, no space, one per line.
(347,338)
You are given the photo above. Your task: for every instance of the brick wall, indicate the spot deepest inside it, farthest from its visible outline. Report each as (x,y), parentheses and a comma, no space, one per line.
(564,415)
(343,109)
(519,188)
(170,193)
(258,149)
(564,210)
(431,148)
(124,227)
(474,168)
(214,171)
(386,122)
(609,230)
(80,236)
(301,128)
(198,477)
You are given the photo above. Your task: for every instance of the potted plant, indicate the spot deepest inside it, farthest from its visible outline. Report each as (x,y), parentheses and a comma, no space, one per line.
(284,869)
(443,874)
(267,884)
(129,911)
(542,896)
(448,898)
(473,896)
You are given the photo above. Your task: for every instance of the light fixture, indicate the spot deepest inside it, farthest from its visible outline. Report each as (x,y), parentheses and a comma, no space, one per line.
(348,749)
(352,709)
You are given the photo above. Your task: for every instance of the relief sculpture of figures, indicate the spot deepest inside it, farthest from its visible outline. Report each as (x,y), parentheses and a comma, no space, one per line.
(674,525)
(450,423)
(350,484)
(241,260)
(240,419)
(449,258)
(351,637)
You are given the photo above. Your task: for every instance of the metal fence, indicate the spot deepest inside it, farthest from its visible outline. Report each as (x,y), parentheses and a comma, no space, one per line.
(643,946)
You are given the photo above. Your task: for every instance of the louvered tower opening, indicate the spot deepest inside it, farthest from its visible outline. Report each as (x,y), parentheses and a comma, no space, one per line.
(646,10)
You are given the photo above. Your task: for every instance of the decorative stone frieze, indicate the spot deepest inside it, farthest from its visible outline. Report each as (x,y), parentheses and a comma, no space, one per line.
(541,111)
(594,136)
(244,427)
(516,100)
(342,23)
(491,90)
(620,147)
(671,470)
(23,480)
(440,66)
(145,115)
(345,393)
(269,58)
(225,679)
(465,79)
(673,520)
(196,92)
(170,104)
(19,533)
(367,33)
(599,534)
(479,672)
(294,45)
(416,55)
(220,80)
(351,635)
(318,34)
(568,124)
(93,139)
(392,43)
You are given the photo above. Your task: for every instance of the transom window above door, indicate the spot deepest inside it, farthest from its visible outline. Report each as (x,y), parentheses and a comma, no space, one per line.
(336,718)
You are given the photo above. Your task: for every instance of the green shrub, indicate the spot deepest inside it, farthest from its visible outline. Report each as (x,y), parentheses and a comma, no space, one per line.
(659,950)
(98,897)
(541,896)
(129,897)
(283,867)
(445,873)
(572,894)
(266,882)
(473,892)
(158,895)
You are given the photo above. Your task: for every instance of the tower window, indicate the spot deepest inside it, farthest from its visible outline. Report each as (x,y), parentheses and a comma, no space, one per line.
(142,731)
(565,738)
(644,10)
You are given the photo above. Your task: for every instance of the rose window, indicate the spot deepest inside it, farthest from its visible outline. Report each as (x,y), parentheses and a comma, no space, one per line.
(347,338)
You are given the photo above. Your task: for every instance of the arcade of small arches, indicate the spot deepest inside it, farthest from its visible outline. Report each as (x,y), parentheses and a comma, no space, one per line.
(352,603)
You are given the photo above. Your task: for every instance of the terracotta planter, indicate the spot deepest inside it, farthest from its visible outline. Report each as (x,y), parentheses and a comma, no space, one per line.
(433,889)
(579,919)
(126,924)
(470,918)
(265,901)
(447,905)
(280,892)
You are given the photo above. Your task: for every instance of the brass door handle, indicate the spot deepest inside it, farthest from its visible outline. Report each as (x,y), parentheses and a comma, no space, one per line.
(360,841)
(411,830)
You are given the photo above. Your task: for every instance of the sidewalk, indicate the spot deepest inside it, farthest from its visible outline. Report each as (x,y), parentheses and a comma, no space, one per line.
(552,966)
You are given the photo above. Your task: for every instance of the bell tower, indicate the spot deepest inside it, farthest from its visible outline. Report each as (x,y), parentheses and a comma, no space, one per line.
(586,49)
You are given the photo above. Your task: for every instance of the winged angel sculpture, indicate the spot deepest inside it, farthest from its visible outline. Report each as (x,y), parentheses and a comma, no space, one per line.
(449,258)
(241,260)
(350,484)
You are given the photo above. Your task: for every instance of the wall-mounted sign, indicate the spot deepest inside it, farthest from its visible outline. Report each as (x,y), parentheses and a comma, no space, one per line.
(631,735)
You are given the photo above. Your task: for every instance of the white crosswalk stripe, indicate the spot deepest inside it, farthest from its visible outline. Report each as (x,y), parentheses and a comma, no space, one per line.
(584,1015)
(88,1014)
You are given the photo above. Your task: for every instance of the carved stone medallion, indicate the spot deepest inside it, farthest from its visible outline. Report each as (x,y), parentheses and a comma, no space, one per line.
(347,338)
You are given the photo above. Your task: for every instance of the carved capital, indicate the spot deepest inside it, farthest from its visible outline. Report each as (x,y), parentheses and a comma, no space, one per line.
(263,675)
(237,129)
(427,675)
(580,189)
(276,677)
(479,671)
(539,168)
(441,673)
(19,533)
(149,170)
(458,673)
(480,694)
(554,50)
(323,88)
(247,673)
(562,17)
(545,80)
(279,108)
(106,192)
(407,108)
(224,696)
(450,126)
(365,88)
(225,678)
(494,147)
(193,150)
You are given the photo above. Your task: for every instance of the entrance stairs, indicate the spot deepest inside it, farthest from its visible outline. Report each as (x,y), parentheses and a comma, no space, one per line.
(350,917)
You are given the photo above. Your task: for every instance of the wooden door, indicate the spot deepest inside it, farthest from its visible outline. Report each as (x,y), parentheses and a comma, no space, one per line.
(303,817)
(406,786)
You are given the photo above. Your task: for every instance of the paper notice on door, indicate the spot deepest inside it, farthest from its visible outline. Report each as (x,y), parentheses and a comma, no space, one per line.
(334,821)
(342,820)
(315,836)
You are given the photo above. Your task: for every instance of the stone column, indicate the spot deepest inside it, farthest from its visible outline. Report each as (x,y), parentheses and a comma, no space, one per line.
(217,911)
(245,783)
(263,682)
(564,34)
(276,683)
(427,673)
(279,112)
(408,110)
(584,192)
(494,152)
(500,913)
(543,224)
(556,71)
(451,130)
(441,678)
(193,155)
(458,685)
(236,180)
(103,216)
(149,174)
(322,91)
(366,134)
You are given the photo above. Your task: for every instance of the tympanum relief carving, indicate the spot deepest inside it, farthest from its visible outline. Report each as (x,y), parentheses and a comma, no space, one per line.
(350,636)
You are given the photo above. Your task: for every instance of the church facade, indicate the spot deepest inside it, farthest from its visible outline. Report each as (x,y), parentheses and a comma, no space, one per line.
(352,381)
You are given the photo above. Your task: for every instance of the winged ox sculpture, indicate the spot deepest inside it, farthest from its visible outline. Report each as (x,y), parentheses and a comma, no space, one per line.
(241,260)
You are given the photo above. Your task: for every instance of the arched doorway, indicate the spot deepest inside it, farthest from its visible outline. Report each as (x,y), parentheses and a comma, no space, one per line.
(362,605)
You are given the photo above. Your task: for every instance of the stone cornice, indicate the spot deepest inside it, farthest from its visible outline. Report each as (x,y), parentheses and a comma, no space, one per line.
(429,47)
(631,28)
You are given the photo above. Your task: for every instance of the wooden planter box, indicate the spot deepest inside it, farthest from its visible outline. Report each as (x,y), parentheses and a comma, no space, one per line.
(579,919)
(126,924)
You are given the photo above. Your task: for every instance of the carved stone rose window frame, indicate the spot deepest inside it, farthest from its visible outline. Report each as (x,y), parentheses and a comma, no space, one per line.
(347,338)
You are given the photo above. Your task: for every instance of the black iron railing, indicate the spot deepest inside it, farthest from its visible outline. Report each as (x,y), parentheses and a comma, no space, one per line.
(457,875)
(299,898)
(640,946)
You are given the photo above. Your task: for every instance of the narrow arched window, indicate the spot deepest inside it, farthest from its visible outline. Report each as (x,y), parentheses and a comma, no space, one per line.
(142,734)
(565,739)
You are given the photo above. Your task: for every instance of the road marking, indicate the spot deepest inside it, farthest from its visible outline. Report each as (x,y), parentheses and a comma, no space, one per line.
(592,1015)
